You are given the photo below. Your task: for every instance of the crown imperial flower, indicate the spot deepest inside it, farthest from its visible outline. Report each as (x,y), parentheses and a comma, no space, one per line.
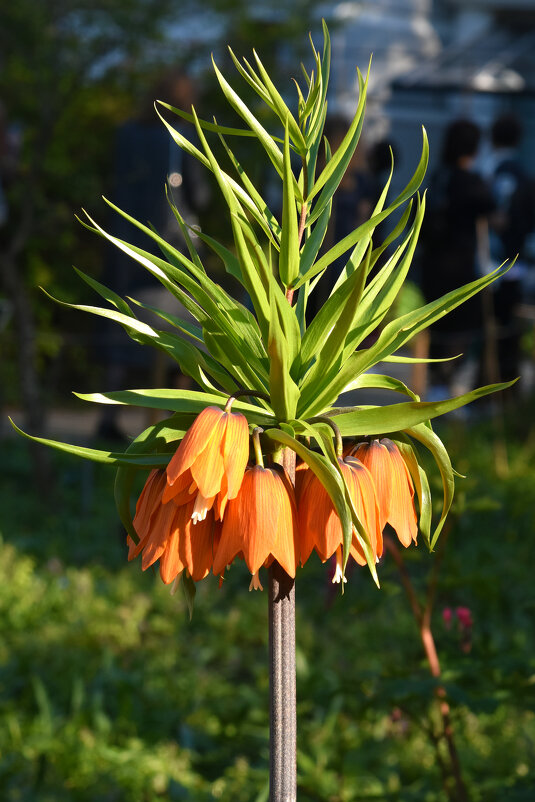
(319,525)
(394,487)
(209,462)
(260,524)
(166,533)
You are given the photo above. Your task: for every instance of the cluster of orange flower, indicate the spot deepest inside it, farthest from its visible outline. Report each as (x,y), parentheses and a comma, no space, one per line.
(209,507)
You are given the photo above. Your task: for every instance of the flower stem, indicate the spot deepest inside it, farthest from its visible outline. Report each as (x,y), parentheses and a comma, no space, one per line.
(337,433)
(423,620)
(283,720)
(239,393)
(257,431)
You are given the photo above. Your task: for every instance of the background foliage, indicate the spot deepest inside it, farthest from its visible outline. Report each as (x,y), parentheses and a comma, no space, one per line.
(108,693)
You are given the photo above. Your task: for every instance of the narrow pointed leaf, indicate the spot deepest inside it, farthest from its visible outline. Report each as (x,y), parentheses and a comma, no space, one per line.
(96,455)
(394,417)
(289,245)
(178,401)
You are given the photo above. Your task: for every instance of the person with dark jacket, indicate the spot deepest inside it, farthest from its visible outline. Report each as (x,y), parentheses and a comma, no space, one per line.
(458,199)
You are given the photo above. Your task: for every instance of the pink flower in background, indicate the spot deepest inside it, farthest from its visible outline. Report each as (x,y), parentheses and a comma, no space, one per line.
(447,615)
(464,616)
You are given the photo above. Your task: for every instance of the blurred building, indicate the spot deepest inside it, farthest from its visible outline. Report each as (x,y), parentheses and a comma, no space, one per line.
(434,60)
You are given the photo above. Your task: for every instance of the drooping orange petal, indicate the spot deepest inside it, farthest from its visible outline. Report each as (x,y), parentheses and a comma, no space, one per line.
(196,545)
(208,468)
(250,522)
(161,526)
(362,490)
(181,490)
(235,448)
(221,499)
(194,442)
(148,501)
(170,562)
(237,516)
(376,458)
(319,524)
(286,549)
(402,517)
(261,540)
(300,473)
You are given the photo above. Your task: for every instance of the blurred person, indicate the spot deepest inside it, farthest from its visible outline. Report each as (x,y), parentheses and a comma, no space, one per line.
(513,220)
(146,159)
(458,201)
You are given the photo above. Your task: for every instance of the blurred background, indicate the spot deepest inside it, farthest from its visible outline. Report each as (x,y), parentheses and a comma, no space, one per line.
(107,692)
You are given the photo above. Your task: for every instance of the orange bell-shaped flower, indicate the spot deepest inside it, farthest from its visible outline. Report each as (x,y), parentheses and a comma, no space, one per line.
(166,533)
(210,461)
(320,528)
(260,524)
(393,484)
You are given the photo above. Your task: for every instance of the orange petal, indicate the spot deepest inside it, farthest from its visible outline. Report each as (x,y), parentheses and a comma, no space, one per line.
(362,490)
(319,525)
(286,549)
(148,501)
(235,450)
(300,473)
(181,490)
(402,517)
(208,468)
(376,458)
(232,530)
(196,546)
(161,527)
(194,442)
(170,562)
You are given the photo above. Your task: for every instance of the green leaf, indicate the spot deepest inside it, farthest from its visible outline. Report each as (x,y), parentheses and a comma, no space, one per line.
(380,295)
(189,329)
(421,484)
(122,491)
(361,247)
(189,590)
(431,441)
(314,242)
(334,170)
(393,336)
(207,126)
(267,219)
(179,401)
(230,261)
(400,417)
(262,135)
(230,184)
(365,228)
(396,333)
(204,308)
(284,392)
(380,382)
(105,457)
(105,292)
(252,79)
(326,336)
(210,295)
(281,109)
(289,246)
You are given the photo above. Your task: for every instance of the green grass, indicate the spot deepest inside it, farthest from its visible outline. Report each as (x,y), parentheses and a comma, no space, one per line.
(109,693)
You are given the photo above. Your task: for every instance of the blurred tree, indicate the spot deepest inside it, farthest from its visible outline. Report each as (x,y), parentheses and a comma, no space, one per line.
(70,72)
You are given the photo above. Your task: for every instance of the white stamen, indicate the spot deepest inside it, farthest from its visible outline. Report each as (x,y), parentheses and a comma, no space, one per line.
(339,575)
(255,583)
(200,508)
